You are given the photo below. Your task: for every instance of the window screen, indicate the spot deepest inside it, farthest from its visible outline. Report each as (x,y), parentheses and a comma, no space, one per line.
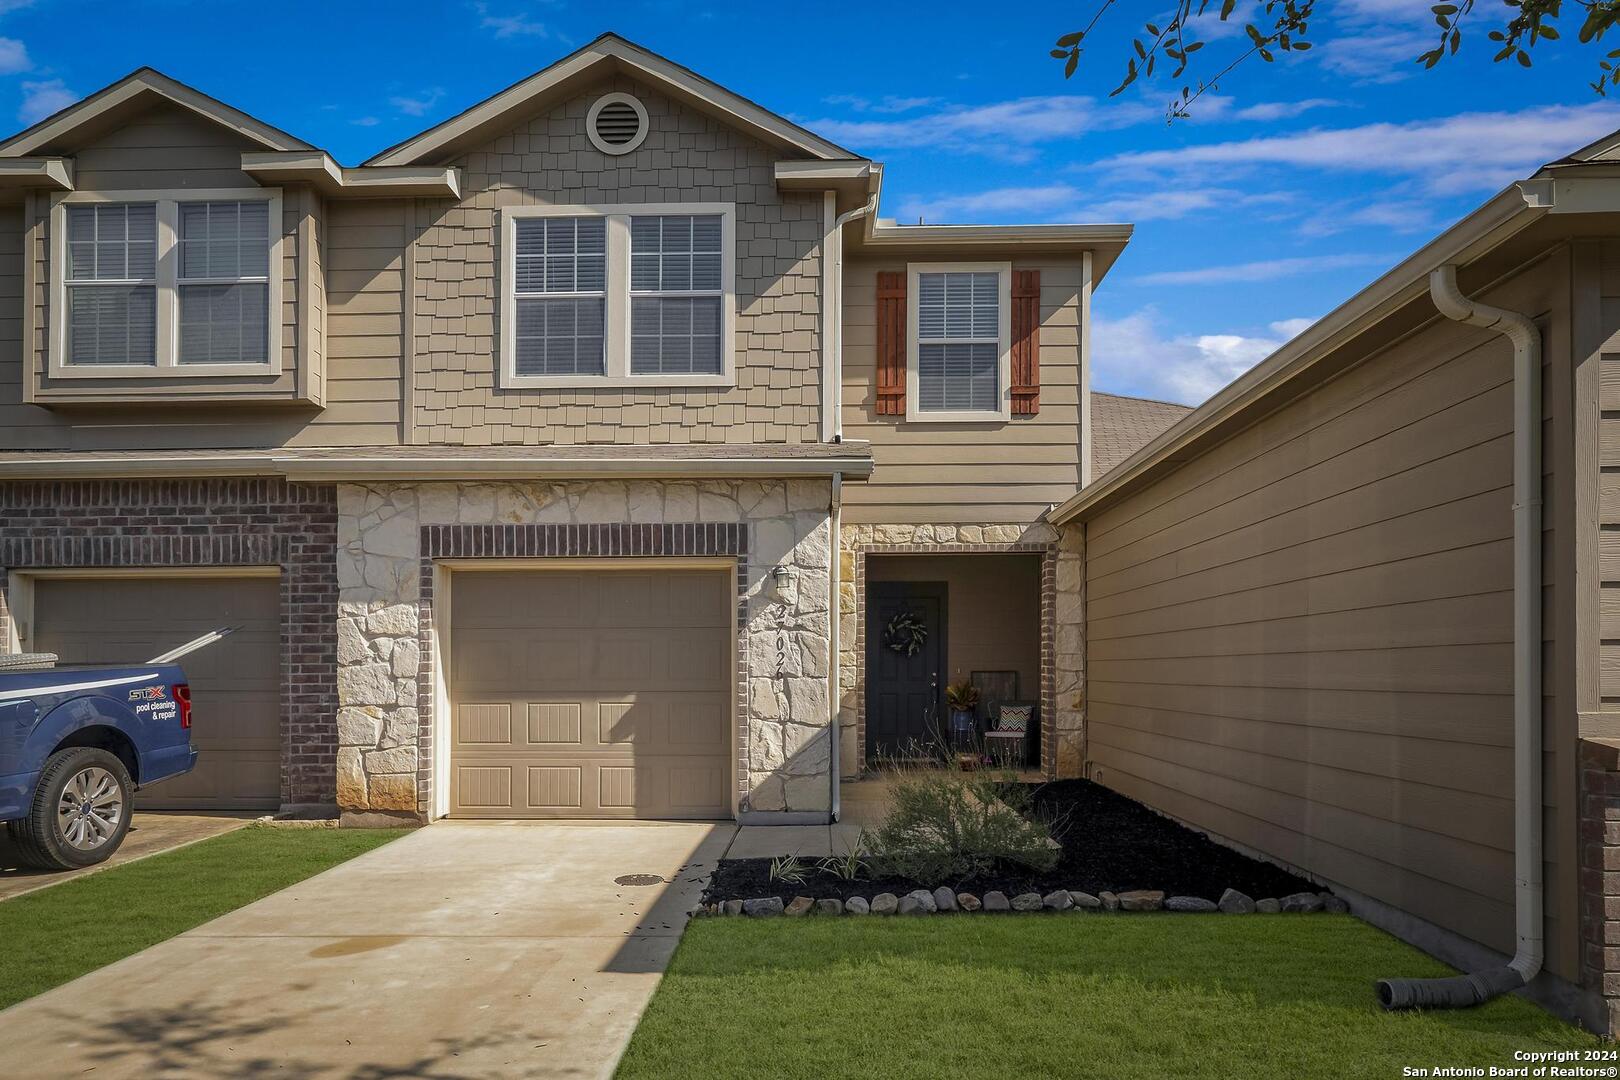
(958,342)
(224,282)
(675,295)
(560,305)
(112,283)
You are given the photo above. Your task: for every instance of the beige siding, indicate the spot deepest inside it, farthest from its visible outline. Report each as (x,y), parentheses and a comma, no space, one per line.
(998,472)
(163,148)
(1301,639)
(686,157)
(362,254)
(1608,495)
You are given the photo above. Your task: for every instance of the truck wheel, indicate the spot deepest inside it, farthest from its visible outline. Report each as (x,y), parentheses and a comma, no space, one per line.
(80,811)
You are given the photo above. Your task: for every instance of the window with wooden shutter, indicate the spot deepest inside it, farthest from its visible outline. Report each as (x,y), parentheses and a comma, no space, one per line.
(891,344)
(1026,342)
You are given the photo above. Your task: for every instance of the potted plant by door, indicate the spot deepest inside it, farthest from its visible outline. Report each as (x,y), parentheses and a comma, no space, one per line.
(962,697)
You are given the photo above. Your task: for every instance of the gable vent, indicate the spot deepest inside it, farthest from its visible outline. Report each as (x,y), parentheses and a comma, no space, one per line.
(616,124)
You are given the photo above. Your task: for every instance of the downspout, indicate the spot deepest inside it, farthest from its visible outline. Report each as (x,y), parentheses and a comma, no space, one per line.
(835,309)
(835,733)
(1463,990)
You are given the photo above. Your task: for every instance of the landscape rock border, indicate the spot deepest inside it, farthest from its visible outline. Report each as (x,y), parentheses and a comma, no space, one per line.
(943,901)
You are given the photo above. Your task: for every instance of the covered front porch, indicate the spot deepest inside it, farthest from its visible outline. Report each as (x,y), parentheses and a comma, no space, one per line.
(952,649)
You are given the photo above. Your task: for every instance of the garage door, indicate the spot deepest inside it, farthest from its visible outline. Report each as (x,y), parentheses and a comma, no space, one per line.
(235,684)
(594,693)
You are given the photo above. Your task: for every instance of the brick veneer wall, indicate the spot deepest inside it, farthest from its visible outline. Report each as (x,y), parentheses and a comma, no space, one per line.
(119,524)
(1600,874)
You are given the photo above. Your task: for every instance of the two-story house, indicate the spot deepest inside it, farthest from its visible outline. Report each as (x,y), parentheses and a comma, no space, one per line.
(596,452)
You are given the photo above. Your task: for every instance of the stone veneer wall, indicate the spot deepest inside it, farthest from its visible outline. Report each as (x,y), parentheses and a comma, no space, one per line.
(1062,631)
(241,521)
(386,741)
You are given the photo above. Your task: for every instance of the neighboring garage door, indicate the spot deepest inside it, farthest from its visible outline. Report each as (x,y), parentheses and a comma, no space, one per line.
(590,693)
(235,683)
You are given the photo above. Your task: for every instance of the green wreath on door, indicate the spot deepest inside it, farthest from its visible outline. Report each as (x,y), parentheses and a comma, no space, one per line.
(905,633)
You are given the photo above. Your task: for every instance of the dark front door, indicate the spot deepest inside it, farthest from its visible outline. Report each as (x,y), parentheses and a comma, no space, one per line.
(904,688)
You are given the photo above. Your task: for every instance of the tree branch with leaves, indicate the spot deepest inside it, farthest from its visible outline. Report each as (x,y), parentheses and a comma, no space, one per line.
(1283,25)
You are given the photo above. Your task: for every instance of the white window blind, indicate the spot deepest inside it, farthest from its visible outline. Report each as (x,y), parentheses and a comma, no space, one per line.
(958,342)
(675,294)
(224,282)
(560,295)
(111,288)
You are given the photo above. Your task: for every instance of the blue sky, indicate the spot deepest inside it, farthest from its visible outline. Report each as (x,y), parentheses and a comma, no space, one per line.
(1292,187)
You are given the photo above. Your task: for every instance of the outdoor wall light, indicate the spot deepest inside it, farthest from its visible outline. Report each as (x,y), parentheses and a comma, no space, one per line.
(782,577)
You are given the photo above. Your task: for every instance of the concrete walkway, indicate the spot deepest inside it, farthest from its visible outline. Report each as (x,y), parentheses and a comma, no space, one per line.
(462,950)
(150,832)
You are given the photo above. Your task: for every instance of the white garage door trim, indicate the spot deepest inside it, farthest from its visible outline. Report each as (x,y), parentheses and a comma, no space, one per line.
(444,573)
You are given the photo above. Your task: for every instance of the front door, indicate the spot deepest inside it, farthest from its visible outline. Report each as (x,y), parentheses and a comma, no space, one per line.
(905,669)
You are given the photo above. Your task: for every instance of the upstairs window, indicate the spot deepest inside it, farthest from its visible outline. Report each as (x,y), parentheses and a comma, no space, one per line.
(617,296)
(560,296)
(171,284)
(111,309)
(957,357)
(675,295)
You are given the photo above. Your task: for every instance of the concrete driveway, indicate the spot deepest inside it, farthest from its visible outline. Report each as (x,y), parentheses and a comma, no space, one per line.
(460,951)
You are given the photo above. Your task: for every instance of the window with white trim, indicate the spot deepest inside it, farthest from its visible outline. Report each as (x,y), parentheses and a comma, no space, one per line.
(675,294)
(155,284)
(560,291)
(224,283)
(959,347)
(617,295)
(112,284)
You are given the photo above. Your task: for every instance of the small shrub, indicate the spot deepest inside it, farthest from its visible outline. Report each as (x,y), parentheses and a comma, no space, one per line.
(851,865)
(789,869)
(947,826)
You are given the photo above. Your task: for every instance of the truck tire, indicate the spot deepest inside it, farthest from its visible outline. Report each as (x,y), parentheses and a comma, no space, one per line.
(80,811)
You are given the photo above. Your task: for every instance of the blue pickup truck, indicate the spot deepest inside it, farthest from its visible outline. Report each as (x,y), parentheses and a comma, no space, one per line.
(77,741)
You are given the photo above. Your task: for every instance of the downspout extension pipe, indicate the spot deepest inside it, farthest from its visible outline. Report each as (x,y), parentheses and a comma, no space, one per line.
(837,309)
(1463,990)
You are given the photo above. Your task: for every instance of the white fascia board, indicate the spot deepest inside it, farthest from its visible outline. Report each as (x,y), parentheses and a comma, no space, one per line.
(316,167)
(50,173)
(366,467)
(496,468)
(1488,227)
(1572,194)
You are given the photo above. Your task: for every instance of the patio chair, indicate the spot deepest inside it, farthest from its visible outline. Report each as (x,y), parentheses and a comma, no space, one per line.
(1008,739)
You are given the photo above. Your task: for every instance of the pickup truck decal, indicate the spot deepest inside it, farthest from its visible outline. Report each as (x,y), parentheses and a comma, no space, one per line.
(66,688)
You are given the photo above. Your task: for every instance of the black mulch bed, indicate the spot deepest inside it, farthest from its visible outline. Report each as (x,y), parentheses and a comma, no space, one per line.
(1109,843)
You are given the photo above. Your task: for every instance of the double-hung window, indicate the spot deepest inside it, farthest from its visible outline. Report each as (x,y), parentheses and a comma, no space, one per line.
(617,295)
(165,284)
(958,353)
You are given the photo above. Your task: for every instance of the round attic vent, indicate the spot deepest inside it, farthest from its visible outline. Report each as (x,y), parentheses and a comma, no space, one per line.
(616,123)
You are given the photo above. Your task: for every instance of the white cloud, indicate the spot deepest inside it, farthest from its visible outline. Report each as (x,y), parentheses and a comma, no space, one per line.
(1009,129)
(889,103)
(13,57)
(1283,110)
(365,121)
(1066,202)
(1265,269)
(1131,356)
(420,104)
(1468,151)
(509,26)
(41,99)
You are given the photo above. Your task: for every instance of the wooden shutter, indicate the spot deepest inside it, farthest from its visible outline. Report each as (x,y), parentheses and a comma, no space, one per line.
(891,344)
(1026,344)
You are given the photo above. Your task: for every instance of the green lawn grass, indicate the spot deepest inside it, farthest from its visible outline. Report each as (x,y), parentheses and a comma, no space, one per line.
(1096,996)
(57,934)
